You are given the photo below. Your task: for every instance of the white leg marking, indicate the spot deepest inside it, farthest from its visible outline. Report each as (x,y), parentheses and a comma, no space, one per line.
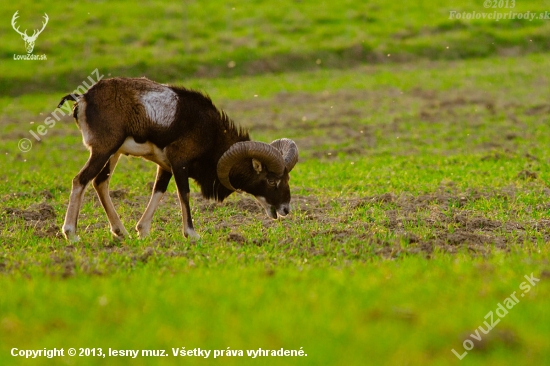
(117,227)
(191,234)
(75,201)
(144,224)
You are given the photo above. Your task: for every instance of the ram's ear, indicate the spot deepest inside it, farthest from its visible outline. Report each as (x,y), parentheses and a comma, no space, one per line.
(257,165)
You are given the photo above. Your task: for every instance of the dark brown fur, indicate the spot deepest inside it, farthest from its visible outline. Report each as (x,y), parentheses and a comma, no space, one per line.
(205,131)
(193,142)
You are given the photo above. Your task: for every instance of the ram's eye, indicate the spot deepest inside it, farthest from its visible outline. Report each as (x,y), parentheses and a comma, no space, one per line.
(274,182)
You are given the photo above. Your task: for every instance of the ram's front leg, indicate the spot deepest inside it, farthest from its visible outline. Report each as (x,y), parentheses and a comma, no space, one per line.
(161,184)
(181,175)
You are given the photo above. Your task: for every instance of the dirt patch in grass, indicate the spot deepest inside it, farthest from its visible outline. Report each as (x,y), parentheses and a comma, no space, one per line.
(333,123)
(388,223)
(359,122)
(40,218)
(340,230)
(40,212)
(443,219)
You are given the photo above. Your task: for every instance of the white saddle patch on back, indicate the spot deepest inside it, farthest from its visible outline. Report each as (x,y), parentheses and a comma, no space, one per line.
(147,150)
(160,106)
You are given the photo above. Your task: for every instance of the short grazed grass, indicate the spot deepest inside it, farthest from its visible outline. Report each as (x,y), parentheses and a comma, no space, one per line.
(406,231)
(420,202)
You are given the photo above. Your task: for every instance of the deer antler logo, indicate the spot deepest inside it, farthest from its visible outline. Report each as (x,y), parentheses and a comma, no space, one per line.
(29,40)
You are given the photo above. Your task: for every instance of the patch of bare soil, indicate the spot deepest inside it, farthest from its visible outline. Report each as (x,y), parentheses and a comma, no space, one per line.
(334,118)
(387,224)
(63,263)
(447,223)
(423,222)
(39,217)
(118,193)
(40,212)
(356,122)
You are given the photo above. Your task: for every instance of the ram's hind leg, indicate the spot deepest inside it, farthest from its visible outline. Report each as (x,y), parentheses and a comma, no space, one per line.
(101,185)
(161,184)
(91,169)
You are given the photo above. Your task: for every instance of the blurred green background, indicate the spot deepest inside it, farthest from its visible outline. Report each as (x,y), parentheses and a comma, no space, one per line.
(420,201)
(175,41)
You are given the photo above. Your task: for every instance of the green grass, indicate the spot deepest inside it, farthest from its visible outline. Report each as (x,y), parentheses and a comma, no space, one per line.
(176,41)
(420,202)
(338,314)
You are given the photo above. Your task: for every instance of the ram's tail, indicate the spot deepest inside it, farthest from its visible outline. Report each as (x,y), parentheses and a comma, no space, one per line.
(73,97)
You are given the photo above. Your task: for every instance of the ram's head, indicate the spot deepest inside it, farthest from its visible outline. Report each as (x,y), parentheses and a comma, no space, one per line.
(263,172)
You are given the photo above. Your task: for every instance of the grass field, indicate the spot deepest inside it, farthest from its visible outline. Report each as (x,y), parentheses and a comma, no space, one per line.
(420,204)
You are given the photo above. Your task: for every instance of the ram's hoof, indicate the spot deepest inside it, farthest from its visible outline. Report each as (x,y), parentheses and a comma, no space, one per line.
(119,233)
(69,233)
(71,237)
(143,230)
(191,235)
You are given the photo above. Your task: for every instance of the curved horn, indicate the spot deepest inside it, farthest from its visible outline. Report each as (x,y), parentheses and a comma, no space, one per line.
(239,151)
(288,148)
